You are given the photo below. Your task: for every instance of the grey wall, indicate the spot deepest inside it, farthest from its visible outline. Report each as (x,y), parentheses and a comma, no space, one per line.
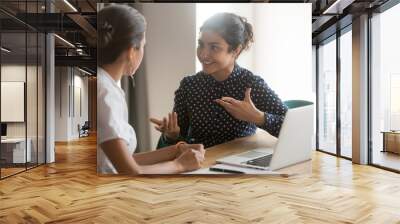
(169,56)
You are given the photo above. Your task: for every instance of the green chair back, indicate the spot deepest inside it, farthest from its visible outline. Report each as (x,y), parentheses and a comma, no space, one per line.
(161,143)
(297,103)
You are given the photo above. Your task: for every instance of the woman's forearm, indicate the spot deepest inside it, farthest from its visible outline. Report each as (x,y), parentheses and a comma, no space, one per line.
(158,162)
(259,118)
(168,167)
(157,156)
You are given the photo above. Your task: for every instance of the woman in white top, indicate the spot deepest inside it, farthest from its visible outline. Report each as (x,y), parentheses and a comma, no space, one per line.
(121,39)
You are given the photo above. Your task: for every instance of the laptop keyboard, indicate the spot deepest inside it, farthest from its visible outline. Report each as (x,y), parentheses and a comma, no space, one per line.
(261,161)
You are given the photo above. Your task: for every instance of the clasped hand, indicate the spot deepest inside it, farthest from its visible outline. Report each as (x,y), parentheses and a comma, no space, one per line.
(188,156)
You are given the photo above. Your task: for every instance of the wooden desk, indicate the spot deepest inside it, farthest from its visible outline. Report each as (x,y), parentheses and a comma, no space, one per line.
(14,152)
(260,139)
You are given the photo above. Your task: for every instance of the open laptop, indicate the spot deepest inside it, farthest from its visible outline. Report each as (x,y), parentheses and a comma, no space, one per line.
(294,144)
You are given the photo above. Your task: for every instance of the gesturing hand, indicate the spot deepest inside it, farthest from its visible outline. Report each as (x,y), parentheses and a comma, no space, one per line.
(242,110)
(168,126)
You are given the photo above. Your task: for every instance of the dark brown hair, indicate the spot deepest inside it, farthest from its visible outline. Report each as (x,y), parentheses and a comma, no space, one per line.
(234,29)
(119,27)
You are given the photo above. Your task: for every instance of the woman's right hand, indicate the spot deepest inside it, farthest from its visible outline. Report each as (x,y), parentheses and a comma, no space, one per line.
(168,126)
(190,158)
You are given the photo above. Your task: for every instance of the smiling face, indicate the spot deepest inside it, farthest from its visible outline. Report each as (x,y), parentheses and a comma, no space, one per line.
(214,55)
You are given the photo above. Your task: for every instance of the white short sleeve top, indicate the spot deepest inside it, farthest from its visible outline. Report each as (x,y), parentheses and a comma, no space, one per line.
(112,119)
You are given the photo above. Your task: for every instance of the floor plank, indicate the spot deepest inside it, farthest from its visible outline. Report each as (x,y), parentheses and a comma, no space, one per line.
(69,191)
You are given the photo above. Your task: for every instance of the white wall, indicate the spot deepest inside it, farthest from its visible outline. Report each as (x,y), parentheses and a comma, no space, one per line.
(169,56)
(284,47)
(15,72)
(61,104)
(33,127)
(67,81)
(80,83)
(282,44)
(13,107)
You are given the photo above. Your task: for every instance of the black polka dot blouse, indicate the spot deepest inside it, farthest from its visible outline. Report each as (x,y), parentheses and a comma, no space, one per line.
(202,120)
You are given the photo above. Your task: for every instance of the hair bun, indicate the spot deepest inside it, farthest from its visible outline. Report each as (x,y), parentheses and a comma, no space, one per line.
(107,31)
(248,33)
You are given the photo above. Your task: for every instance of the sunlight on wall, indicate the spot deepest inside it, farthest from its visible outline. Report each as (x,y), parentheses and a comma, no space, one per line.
(282,50)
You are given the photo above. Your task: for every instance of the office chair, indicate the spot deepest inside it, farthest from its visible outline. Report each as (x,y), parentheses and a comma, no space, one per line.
(163,143)
(84,130)
(297,103)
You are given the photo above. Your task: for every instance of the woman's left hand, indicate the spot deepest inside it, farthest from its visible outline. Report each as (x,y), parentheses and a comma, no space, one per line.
(183,147)
(242,110)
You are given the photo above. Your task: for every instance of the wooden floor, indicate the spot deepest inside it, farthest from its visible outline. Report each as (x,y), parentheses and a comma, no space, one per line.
(5,172)
(387,159)
(69,191)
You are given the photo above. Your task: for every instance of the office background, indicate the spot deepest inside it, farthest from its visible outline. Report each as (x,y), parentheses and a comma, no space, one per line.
(22,108)
(364,30)
(358,85)
(337,190)
(48,87)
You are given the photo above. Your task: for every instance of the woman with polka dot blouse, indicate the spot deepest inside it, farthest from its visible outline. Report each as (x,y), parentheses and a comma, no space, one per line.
(223,101)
